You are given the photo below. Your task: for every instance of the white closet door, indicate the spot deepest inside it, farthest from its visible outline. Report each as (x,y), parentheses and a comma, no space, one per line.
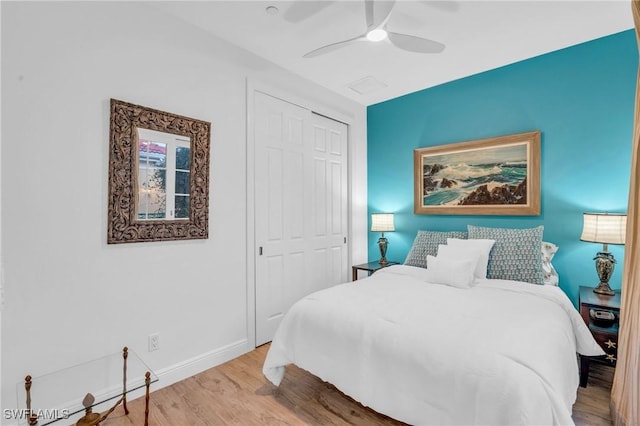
(300,207)
(329,207)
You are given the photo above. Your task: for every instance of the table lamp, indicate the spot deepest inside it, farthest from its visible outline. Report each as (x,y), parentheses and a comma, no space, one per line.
(382,222)
(604,228)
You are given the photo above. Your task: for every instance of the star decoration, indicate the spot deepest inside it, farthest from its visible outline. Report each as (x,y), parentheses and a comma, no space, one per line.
(610,344)
(611,357)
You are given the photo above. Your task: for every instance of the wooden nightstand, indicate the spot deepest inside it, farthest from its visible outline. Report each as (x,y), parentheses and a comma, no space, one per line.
(602,315)
(370,267)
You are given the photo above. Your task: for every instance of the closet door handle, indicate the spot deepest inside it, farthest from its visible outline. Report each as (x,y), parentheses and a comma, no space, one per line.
(260,251)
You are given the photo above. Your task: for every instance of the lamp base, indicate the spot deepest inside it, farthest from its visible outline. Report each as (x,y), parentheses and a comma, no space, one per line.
(603,288)
(605,262)
(382,244)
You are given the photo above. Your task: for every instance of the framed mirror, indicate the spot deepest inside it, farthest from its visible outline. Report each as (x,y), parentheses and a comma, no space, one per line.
(158,175)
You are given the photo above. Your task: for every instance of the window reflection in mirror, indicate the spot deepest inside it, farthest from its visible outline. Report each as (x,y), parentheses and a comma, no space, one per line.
(164,176)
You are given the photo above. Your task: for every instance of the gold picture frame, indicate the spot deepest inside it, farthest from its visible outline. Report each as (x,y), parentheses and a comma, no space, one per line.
(125,222)
(493,176)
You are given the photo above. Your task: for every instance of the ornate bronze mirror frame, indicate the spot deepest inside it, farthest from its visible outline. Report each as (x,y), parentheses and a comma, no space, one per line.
(157,191)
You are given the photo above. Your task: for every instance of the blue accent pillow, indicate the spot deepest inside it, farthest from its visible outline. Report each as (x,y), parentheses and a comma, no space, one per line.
(426,244)
(516,254)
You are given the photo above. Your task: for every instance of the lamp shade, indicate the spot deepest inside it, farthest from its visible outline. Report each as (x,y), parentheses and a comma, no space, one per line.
(605,228)
(382,222)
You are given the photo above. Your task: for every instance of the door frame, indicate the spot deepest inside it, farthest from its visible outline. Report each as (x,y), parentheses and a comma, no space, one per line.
(254,86)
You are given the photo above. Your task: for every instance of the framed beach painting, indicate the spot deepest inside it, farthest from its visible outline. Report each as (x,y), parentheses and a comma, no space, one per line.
(495,176)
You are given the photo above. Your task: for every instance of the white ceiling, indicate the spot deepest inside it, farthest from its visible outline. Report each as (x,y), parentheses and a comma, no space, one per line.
(479,35)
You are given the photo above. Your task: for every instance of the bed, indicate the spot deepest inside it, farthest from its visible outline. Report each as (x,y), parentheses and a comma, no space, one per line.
(439,343)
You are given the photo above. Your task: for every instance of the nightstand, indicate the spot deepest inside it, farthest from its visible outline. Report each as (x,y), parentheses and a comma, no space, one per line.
(370,267)
(601,313)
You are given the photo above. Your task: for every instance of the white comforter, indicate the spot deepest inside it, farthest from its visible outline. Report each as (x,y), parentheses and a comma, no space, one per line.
(500,353)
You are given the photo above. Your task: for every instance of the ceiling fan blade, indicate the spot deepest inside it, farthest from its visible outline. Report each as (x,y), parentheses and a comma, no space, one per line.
(334,46)
(415,44)
(377,12)
(301,10)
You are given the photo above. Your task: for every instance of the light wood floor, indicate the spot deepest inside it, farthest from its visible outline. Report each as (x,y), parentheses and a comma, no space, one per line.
(236,393)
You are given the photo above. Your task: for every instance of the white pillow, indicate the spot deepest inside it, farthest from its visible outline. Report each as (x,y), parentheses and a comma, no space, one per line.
(475,247)
(550,276)
(456,273)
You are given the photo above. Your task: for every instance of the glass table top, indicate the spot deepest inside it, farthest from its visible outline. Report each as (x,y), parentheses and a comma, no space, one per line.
(59,395)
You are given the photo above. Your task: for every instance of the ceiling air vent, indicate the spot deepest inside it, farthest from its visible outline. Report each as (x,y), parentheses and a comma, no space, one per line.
(366,85)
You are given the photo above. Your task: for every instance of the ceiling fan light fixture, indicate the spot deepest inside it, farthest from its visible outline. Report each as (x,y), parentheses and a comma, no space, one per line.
(378,34)
(377,13)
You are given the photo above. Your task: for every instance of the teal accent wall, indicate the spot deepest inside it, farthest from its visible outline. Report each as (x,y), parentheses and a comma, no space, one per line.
(582,100)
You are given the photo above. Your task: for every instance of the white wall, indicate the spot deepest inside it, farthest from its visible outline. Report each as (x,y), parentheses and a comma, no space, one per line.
(70,297)
(1,262)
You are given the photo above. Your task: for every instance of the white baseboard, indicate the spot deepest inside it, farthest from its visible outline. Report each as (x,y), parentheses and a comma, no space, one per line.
(172,374)
(190,367)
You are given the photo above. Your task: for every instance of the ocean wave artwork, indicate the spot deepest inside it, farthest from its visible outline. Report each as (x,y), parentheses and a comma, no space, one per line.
(487,176)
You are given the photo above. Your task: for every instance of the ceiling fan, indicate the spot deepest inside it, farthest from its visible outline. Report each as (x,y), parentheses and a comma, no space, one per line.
(377,14)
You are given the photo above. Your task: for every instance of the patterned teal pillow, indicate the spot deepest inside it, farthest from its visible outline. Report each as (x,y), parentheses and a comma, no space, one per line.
(426,244)
(516,254)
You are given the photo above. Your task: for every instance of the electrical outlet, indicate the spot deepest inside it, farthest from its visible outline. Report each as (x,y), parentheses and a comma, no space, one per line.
(154,342)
